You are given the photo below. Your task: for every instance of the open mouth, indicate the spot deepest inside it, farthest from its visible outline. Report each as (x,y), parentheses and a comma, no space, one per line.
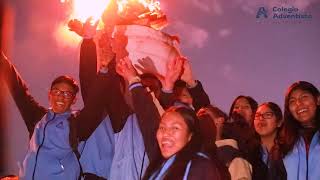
(60,104)
(166,144)
(301,111)
(261,125)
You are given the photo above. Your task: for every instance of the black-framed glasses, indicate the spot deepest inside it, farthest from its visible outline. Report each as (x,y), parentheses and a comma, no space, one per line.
(65,94)
(266,115)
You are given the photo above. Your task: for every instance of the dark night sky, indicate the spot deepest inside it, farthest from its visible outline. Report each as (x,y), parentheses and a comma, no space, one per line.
(231,52)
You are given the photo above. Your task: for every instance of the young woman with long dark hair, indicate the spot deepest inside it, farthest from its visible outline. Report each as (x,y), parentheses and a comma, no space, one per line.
(300,137)
(177,134)
(267,124)
(180,144)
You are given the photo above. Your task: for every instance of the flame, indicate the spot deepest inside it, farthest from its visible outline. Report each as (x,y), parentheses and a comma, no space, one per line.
(83,9)
(121,5)
(151,5)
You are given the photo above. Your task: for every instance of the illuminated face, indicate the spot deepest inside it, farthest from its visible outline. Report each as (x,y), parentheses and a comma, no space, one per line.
(243,107)
(185,96)
(303,106)
(265,122)
(61,97)
(173,134)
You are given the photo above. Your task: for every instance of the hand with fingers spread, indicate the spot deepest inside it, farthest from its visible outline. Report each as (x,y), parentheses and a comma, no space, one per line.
(76,26)
(125,68)
(146,65)
(187,75)
(86,30)
(174,69)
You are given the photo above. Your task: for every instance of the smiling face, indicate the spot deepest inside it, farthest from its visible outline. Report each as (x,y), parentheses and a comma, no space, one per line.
(265,121)
(61,97)
(303,106)
(173,134)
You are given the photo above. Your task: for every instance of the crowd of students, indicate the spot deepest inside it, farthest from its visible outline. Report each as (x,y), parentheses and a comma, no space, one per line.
(166,129)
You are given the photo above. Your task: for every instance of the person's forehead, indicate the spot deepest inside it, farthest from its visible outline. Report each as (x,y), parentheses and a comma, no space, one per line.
(242,100)
(63,86)
(264,108)
(172,117)
(298,92)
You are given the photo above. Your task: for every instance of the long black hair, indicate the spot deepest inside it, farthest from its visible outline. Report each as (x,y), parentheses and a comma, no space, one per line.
(274,153)
(253,105)
(289,135)
(187,153)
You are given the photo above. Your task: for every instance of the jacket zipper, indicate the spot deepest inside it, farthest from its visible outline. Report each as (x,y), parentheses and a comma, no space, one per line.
(44,134)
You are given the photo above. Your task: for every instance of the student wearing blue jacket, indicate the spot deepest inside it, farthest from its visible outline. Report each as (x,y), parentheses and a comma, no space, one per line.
(300,137)
(122,141)
(55,131)
(129,149)
(176,134)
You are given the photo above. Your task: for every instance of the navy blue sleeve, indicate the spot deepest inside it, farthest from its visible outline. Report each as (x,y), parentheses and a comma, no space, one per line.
(29,108)
(199,96)
(87,67)
(115,105)
(148,118)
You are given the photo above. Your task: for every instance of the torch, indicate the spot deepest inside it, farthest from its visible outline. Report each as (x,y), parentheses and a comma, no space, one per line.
(133,28)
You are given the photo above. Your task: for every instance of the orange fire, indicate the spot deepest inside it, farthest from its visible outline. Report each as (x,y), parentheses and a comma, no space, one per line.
(83,9)
(150,4)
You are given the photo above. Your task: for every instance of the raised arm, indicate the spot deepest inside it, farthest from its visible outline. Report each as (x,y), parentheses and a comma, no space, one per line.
(199,96)
(92,114)
(88,53)
(174,69)
(166,99)
(148,117)
(88,66)
(116,105)
(145,109)
(30,110)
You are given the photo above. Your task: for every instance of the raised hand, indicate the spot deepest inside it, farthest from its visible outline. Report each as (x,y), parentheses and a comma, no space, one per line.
(125,68)
(76,26)
(86,30)
(187,75)
(146,65)
(174,69)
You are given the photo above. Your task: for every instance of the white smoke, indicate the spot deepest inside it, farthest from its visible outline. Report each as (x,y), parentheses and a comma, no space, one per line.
(208,6)
(225,32)
(191,36)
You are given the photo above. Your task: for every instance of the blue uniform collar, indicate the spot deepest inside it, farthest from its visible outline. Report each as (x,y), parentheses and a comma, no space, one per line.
(160,174)
(51,114)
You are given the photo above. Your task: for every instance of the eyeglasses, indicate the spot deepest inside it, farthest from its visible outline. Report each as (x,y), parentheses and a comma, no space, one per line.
(65,94)
(266,115)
